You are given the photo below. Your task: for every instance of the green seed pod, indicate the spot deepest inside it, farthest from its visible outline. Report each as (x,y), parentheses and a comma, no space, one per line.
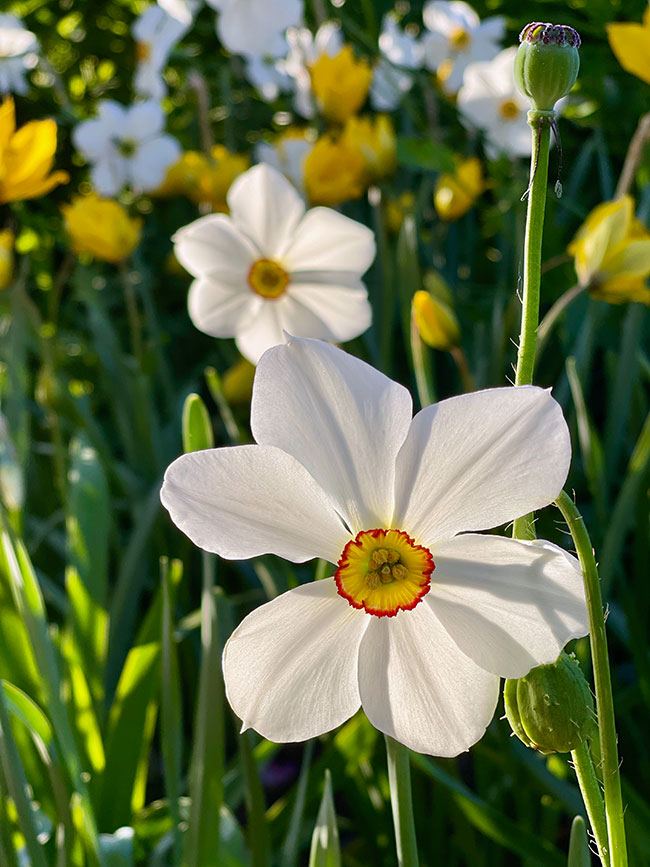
(551,709)
(547,63)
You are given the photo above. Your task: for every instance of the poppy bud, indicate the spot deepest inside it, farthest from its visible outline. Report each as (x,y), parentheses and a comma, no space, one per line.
(547,63)
(551,709)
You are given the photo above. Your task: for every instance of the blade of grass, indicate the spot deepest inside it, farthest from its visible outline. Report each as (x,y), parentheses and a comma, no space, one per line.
(171,712)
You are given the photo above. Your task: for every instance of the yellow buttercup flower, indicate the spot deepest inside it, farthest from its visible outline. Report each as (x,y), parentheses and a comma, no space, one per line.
(204,178)
(340,84)
(26,157)
(334,172)
(455,194)
(612,253)
(630,42)
(101,227)
(7,239)
(435,321)
(375,140)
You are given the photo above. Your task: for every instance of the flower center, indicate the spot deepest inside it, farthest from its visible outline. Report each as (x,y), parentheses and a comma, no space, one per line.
(460,39)
(126,146)
(383,572)
(509,110)
(267,278)
(142,51)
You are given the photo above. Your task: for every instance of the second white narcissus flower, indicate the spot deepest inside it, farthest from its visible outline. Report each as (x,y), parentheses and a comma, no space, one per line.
(17,47)
(126,145)
(423,615)
(270,267)
(156,32)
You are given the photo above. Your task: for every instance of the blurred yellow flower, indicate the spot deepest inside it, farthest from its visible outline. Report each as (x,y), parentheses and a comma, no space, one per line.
(26,157)
(396,209)
(340,84)
(204,178)
(334,172)
(7,239)
(237,382)
(630,42)
(101,227)
(374,138)
(435,321)
(612,253)
(455,194)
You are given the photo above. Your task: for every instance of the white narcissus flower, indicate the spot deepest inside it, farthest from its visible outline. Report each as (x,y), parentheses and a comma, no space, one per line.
(270,267)
(17,47)
(156,32)
(305,49)
(398,49)
(423,615)
(456,38)
(256,27)
(267,75)
(490,101)
(126,145)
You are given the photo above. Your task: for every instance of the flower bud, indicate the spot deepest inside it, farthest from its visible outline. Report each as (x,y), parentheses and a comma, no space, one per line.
(551,709)
(435,321)
(6,257)
(547,63)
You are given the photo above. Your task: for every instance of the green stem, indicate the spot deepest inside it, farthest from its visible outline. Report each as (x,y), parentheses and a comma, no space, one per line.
(523,528)
(602,681)
(591,795)
(399,777)
(135,325)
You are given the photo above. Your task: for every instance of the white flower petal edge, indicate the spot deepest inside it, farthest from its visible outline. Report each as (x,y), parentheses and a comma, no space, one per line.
(244,501)
(212,244)
(475,461)
(329,241)
(509,605)
(419,688)
(342,419)
(290,667)
(220,308)
(267,207)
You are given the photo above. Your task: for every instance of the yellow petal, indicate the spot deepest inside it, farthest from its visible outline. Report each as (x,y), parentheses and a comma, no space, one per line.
(621,290)
(31,151)
(631,259)
(631,45)
(32,188)
(603,230)
(7,122)
(435,321)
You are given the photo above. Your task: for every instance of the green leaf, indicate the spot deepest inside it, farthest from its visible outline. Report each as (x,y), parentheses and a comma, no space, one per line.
(325,849)
(197,427)
(579,854)
(417,153)
(171,722)
(292,842)
(88,630)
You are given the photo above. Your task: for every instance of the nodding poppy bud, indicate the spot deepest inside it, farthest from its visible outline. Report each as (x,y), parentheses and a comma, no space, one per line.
(551,709)
(547,63)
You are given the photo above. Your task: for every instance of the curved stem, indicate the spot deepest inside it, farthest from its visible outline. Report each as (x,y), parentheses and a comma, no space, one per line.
(399,777)
(591,795)
(602,681)
(554,314)
(523,528)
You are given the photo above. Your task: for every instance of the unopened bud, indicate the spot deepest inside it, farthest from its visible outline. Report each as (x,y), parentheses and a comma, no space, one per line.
(6,257)
(547,63)
(435,321)
(551,709)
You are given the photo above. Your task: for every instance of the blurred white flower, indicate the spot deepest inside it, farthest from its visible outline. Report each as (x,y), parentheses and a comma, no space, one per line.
(305,48)
(183,10)
(155,33)
(490,101)
(423,614)
(17,47)
(270,267)
(126,145)
(398,48)
(256,27)
(267,75)
(287,154)
(456,38)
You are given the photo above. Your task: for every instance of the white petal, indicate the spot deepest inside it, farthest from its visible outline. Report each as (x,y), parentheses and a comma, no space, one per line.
(509,605)
(91,138)
(109,176)
(219,308)
(149,164)
(345,312)
(290,667)
(244,501)
(340,417)
(213,245)
(145,120)
(265,205)
(417,686)
(326,240)
(266,329)
(478,460)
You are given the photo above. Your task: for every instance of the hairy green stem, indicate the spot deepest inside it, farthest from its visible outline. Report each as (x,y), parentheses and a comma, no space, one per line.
(591,795)
(523,528)
(602,681)
(399,777)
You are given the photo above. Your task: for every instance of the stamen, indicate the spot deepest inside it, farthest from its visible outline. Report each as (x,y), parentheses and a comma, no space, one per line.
(267,278)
